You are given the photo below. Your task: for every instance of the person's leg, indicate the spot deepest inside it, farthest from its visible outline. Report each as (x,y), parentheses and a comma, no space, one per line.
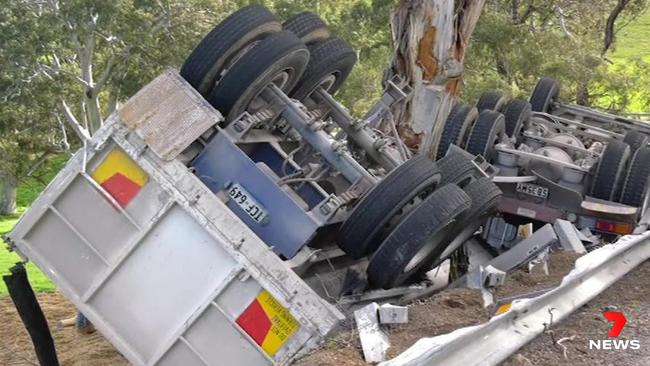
(83,325)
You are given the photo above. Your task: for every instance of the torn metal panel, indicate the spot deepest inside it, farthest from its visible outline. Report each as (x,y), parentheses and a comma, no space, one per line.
(393,314)
(521,253)
(380,295)
(374,341)
(477,254)
(569,236)
(168,115)
(525,250)
(486,277)
(542,260)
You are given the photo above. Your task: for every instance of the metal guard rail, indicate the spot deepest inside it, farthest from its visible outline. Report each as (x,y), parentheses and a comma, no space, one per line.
(493,342)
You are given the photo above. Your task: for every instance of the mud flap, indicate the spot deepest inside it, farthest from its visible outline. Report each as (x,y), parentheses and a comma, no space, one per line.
(31,314)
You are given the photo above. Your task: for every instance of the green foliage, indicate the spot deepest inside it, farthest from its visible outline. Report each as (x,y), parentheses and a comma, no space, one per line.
(362,23)
(634,40)
(510,50)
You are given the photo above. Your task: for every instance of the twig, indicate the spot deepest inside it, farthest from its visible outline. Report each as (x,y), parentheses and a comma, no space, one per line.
(564,348)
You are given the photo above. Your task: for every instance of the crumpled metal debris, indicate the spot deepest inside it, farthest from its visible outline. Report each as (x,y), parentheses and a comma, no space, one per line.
(393,314)
(570,238)
(542,259)
(374,341)
(486,277)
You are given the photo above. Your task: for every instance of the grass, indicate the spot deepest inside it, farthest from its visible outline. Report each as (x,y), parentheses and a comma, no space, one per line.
(39,282)
(633,41)
(28,191)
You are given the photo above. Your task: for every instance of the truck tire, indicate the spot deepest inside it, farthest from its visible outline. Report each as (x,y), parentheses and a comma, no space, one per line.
(636,140)
(243,27)
(309,27)
(417,240)
(457,169)
(489,127)
(491,100)
(546,92)
(280,54)
(330,63)
(611,168)
(517,115)
(456,128)
(636,184)
(366,228)
(485,196)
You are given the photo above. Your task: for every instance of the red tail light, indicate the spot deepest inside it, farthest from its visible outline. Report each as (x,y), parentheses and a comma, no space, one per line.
(614,227)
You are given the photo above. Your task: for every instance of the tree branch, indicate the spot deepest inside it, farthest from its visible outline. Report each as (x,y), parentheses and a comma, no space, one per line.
(64,140)
(106,75)
(74,123)
(611,23)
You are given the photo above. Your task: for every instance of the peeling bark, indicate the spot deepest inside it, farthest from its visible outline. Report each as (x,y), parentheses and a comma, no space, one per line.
(429,40)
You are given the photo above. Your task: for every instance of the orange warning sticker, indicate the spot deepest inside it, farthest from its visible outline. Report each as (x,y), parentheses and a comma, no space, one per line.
(268,322)
(120,176)
(503,309)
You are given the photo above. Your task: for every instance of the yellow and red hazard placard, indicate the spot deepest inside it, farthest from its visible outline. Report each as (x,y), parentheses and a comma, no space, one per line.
(268,322)
(120,176)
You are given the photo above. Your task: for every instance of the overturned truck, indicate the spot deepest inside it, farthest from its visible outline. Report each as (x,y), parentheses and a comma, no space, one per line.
(197,226)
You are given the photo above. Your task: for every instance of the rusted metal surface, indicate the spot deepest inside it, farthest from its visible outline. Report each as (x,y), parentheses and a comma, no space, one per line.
(167,117)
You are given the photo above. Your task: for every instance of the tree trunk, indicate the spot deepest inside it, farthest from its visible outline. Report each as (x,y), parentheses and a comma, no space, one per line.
(8,186)
(429,39)
(582,93)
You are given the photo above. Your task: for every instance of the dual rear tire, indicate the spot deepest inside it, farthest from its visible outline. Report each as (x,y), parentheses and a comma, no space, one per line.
(249,50)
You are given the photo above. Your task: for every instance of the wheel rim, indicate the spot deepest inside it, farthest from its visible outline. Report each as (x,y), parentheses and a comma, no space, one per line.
(428,250)
(490,149)
(280,80)
(326,83)
(461,238)
(646,199)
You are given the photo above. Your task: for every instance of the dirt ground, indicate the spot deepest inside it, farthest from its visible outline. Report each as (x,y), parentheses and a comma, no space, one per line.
(631,295)
(439,314)
(73,349)
(522,282)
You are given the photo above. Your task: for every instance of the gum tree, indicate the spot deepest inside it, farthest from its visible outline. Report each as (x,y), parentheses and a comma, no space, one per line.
(71,62)
(430,38)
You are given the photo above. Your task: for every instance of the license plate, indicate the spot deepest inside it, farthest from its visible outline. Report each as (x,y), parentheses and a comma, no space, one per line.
(532,190)
(247,203)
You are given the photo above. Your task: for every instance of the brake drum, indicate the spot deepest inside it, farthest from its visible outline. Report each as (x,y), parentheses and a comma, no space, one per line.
(549,170)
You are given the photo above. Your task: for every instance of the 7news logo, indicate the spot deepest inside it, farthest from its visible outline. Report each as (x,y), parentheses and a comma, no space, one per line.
(618,320)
